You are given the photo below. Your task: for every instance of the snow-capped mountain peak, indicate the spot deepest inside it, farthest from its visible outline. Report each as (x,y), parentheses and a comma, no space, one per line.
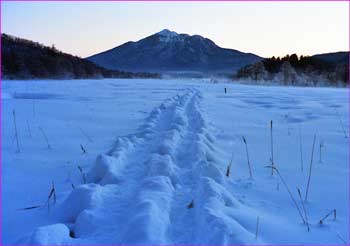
(171,51)
(167,35)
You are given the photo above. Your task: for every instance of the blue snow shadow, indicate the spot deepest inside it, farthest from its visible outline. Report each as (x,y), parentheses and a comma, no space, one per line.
(306,116)
(39,96)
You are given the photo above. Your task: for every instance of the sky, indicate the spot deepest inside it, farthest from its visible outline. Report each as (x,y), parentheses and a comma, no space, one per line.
(263,28)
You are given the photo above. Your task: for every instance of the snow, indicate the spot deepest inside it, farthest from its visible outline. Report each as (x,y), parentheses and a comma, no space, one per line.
(51,234)
(167,33)
(157,153)
(167,36)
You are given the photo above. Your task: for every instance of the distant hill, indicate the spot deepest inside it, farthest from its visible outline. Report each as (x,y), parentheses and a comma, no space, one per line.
(341,57)
(24,59)
(325,69)
(168,51)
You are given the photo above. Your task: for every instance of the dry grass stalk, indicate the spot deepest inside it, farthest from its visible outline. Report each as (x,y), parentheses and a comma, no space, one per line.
(310,169)
(321,146)
(46,139)
(303,206)
(191,205)
(29,208)
(257,228)
(301,151)
(246,149)
(52,195)
(228,170)
(82,174)
(289,192)
(334,212)
(342,239)
(29,131)
(272,161)
(16,132)
(87,137)
(82,149)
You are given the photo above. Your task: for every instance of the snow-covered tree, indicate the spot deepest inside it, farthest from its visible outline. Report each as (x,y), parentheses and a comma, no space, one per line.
(287,74)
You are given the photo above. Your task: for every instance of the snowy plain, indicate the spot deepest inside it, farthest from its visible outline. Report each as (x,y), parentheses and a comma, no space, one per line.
(157,154)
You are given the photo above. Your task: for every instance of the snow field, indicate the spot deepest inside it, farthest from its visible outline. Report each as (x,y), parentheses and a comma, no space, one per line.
(164,181)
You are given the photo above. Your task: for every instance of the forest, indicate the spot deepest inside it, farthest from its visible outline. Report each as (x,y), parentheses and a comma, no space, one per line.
(25,59)
(327,69)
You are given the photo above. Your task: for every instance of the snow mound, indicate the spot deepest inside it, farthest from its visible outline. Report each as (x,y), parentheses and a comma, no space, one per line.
(159,164)
(81,198)
(106,169)
(49,235)
(217,215)
(151,213)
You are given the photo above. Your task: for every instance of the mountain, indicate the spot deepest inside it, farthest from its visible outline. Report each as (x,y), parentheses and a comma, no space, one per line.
(168,51)
(25,59)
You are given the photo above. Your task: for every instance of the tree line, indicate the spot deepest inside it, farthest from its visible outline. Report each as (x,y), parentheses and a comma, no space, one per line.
(25,59)
(303,70)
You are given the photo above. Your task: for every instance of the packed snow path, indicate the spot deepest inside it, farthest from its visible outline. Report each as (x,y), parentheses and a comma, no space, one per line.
(160,185)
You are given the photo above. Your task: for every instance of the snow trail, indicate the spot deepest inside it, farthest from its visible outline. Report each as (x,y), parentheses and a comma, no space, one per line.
(140,190)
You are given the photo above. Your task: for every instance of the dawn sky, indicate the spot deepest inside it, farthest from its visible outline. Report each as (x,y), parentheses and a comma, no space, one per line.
(263,28)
